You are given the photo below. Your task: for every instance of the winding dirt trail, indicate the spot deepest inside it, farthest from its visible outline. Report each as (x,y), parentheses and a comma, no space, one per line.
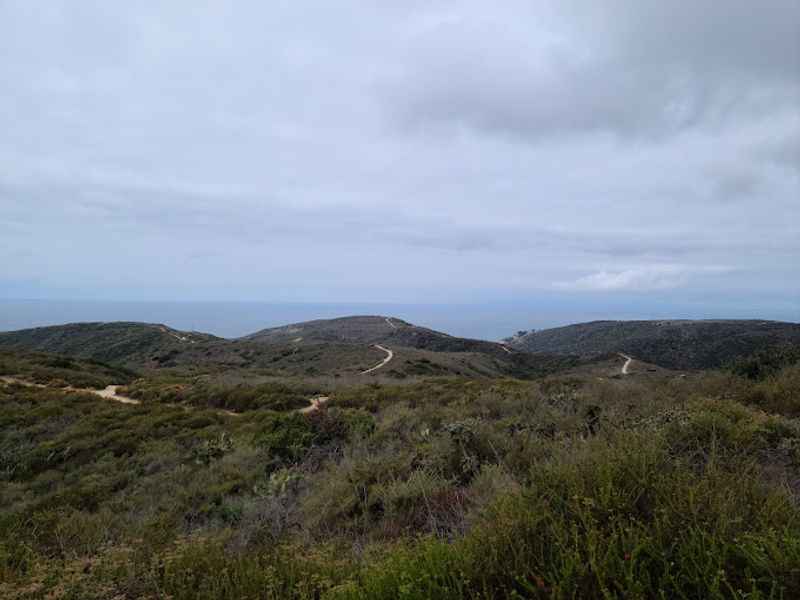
(109,393)
(389,356)
(627,364)
(389,321)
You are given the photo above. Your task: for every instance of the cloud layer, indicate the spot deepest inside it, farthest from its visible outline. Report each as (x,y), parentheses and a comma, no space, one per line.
(431,151)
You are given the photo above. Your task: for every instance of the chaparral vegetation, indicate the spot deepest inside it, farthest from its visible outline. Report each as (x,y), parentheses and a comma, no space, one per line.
(569,485)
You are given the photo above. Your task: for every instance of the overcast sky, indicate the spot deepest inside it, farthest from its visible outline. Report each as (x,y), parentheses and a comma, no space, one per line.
(401,151)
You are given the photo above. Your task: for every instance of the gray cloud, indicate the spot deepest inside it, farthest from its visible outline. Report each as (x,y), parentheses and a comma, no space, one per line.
(628,67)
(734,182)
(341,151)
(785,151)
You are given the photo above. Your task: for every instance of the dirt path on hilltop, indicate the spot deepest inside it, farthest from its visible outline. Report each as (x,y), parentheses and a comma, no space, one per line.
(627,364)
(389,356)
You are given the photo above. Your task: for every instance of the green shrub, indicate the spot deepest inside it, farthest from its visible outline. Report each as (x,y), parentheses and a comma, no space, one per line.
(212,449)
(766,362)
(285,436)
(238,398)
(623,520)
(778,393)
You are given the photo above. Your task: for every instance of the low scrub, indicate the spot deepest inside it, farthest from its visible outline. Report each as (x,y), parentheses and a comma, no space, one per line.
(61,371)
(237,398)
(450,489)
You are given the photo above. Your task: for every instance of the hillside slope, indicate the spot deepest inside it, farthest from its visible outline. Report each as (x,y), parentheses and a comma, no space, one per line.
(679,344)
(154,346)
(374,330)
(346,346)
(59,371)
(418,351)
(121,342)
(352,330)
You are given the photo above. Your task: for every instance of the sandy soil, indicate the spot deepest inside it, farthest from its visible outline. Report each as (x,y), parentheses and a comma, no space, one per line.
(109,393)
(315,404)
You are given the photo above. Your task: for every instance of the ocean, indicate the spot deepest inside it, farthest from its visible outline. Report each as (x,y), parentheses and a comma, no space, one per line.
(489,321)
(234,319)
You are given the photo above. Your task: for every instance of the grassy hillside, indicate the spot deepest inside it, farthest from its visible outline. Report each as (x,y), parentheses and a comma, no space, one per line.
(344,348)
(419,351)
(55,370)
(156,347)
(446,488)
(329,348)
(374,330)
(353,330)
(671,344)
(120,342)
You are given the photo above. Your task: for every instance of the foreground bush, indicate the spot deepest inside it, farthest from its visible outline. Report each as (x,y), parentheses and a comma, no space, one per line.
(623,519)
(460,489)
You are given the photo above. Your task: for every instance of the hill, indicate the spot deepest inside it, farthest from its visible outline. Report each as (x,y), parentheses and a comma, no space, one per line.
(353,330)
(417,351)
(59,371)
(146,346)
(679,344)
(374,330)
(348,346)
(120,342)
